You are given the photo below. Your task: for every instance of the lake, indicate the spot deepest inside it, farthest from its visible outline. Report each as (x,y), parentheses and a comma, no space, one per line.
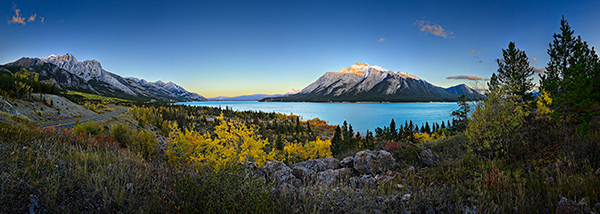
(361,116)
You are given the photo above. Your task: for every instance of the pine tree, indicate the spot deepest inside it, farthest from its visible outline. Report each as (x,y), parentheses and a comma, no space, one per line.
(393,130)
(571,77)
(369,141)
(336,141)
(427,128)
(443,126)
(514,73)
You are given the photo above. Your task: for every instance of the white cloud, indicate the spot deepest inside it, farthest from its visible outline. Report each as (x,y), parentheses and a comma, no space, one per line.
(434,29)
(464,77)
(381,40)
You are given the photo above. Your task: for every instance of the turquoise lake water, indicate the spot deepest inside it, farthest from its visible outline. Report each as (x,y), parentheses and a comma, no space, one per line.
(361,116)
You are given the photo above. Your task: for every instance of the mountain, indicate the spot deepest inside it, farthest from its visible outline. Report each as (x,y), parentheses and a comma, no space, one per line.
(89,76)
(52,73)
(253,97)
(371,83)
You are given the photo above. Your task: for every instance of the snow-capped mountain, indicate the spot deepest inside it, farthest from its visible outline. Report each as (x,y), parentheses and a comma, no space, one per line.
(364,82)
(89,76)
(88,70)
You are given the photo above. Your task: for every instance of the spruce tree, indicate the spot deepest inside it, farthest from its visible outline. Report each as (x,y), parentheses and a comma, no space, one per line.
(393,130)
(514,73)
(571,77)
(336,141)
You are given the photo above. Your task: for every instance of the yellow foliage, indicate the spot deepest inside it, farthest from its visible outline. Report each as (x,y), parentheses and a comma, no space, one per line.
(543,101)
(296,152)
(231,142)
(422,137)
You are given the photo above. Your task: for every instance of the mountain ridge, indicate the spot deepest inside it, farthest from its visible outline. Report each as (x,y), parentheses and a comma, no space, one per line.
(371,83)
(89,76)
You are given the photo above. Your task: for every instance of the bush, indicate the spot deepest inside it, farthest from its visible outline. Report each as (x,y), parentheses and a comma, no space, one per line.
(90,128)
(120,132)
(495,127)
(143,142)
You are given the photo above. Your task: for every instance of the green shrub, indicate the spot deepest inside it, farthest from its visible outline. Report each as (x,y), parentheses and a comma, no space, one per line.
(494,129)
(143,142)
(410,155)
(120,132)
(88,128)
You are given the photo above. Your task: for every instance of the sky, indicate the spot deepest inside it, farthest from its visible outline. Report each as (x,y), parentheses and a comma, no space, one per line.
(231,48)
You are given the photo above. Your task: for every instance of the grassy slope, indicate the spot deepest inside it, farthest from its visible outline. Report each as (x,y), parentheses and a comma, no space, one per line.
(80,173)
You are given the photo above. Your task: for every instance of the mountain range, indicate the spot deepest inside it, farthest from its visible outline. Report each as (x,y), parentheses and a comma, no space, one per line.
(371,83)
(89,76)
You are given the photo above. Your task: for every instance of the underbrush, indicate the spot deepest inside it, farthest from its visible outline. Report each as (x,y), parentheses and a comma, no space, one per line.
(58,171)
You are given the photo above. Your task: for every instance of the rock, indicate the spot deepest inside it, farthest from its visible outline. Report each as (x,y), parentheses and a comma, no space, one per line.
(583,206)
(406,197)
(5,106)
(567,206)
(410,168)
(256,170)
(551,167)
(319,165)
(597,207)
(426,208)
(364,181)
(284,189)
(304,174)
(550,179)
(333,177)
(528,169)
(279,173)
(597,173)
(428,158)
(373,162)
(348,162)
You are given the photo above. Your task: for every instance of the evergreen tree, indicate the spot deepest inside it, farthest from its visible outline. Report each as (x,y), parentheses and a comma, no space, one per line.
(571,77)
(309,130)
(336,141)
(443,126)
(427,128)
(416,129)
(461,115)
(393,130)
(369,141)
(514,73)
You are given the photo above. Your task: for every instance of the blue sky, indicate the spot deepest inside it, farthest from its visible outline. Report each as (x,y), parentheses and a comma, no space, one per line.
(248,47)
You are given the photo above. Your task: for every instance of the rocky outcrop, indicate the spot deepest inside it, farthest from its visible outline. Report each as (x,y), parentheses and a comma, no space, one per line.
(428,158)
(279,173)
(373,162)
(367,169)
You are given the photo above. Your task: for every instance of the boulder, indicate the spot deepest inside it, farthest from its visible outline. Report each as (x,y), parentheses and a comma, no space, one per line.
(364,181)
(333,176)
(373,162)
(551,167)
(254,169)
(568,206)
(428,158)
(319,165)
(279,173)
(304,174)
(348,162)
(597,173)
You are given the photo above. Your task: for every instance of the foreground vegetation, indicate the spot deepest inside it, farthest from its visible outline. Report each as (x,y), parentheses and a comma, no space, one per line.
(512,153)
